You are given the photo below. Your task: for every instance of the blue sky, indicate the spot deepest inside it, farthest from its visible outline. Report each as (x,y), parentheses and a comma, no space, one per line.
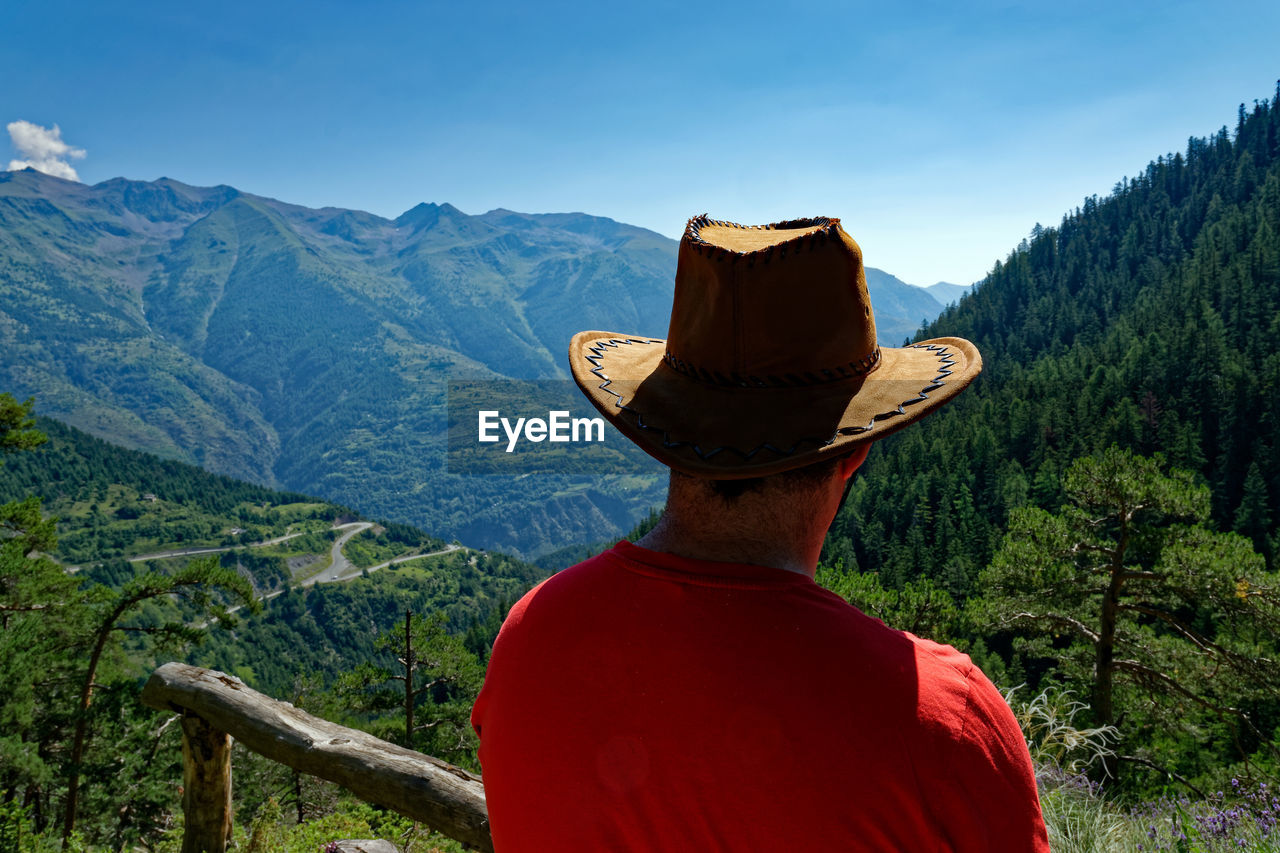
(939,132)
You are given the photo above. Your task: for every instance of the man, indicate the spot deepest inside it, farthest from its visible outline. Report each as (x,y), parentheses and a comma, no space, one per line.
(697,690)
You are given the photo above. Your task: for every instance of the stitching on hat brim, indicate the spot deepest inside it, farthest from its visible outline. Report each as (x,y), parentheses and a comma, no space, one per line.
(599,347)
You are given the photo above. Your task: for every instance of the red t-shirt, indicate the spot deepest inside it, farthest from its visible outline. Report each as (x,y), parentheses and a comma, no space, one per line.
(641,701)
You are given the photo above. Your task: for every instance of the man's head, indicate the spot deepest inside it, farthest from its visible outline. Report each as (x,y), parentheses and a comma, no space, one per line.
(806,491)
(798,484)
(771,362)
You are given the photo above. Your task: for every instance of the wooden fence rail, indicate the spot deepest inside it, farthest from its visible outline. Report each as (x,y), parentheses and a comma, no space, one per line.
(214,706)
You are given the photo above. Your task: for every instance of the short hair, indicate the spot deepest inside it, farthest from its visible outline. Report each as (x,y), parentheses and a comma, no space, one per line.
(804,478)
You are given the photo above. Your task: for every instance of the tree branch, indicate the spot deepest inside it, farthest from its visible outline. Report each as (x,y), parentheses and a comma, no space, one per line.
(1204,643)
(1075,624)
(444,679)
(1145,672)
(1156,767)
(1239,662)
(1099,549)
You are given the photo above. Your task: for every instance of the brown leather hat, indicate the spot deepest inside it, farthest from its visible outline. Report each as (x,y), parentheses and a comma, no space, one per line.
(771,360)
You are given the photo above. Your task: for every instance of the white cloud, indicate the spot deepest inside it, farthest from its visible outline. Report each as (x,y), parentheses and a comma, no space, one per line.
(42,149)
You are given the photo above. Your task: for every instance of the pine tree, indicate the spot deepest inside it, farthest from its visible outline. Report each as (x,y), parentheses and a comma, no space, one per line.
(200,583)
(41,614)
(1253,515)
(1144,606)
(438,677)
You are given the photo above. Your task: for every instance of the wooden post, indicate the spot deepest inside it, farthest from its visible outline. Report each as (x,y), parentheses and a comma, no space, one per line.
(446,798)
(206,786)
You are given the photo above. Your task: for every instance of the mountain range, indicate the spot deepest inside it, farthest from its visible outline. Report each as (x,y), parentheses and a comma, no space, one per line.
(903,309)
(309,349)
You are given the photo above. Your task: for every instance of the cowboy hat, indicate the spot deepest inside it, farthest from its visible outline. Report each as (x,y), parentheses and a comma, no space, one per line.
(771,360)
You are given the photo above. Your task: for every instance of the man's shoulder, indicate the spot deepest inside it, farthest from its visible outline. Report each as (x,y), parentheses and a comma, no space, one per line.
(856,647)
(605,576)
(561,589)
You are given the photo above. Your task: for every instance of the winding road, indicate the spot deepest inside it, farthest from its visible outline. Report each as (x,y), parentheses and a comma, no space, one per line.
(339,565)
(340,568)
(191,552)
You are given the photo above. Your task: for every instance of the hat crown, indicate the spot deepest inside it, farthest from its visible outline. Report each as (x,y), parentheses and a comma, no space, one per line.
(757,304)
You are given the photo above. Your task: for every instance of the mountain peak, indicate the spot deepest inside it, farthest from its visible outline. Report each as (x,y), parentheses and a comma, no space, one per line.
(425,214)
(30,175)
(947,292)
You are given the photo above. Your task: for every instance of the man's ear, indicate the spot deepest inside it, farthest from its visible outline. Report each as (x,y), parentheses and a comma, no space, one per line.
(851,463)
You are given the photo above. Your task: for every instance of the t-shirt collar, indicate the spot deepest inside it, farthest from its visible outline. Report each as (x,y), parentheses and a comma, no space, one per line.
(691,570)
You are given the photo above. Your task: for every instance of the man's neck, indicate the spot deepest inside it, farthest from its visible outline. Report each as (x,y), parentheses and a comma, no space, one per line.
(780,523)
(745,538)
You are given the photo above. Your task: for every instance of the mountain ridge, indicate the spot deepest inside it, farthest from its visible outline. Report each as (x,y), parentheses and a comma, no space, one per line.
(277,343)
(308,348)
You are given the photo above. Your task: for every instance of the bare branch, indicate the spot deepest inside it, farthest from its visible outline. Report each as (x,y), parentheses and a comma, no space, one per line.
(1243,663)
(1144,673)
(444,679)
(1147,576)
(1058,618)
(1202,642)
(1156,767)
(1097,549)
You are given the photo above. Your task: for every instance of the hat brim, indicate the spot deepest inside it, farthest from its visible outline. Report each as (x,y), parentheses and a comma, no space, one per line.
(729,432)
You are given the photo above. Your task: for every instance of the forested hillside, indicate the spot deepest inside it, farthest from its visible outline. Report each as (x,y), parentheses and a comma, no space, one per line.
(306,641)
(77,749)
(1149,319)
(113,503)
(1123,430)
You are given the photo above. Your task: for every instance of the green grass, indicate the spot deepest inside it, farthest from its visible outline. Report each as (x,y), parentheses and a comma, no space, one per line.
(1079,822)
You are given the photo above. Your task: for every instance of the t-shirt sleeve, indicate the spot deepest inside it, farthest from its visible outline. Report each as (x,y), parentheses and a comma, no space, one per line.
(994,803)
